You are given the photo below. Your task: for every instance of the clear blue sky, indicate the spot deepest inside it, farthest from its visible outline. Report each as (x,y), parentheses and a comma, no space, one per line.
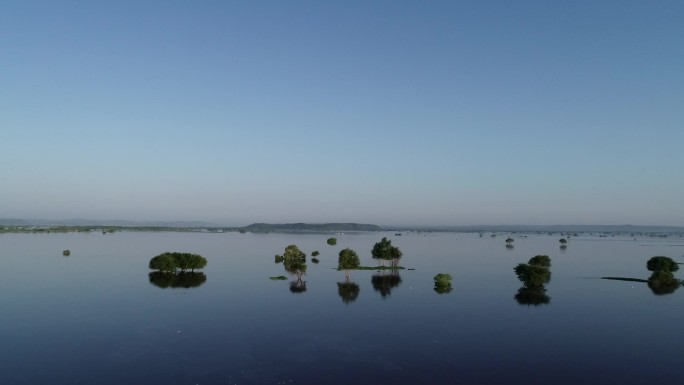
(387,112)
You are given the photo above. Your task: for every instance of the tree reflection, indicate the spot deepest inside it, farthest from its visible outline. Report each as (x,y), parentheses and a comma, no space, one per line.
(297,286)
(348,291)
(185,280)
(443,289)
(384,283)
(663,282)
(532,296)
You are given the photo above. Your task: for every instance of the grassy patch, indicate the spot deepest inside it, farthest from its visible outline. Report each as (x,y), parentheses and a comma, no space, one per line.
(278,278)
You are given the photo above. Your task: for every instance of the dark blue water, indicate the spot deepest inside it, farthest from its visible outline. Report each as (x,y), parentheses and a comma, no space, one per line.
(95,318)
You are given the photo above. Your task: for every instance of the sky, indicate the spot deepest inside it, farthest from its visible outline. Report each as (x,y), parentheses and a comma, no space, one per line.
(384,112)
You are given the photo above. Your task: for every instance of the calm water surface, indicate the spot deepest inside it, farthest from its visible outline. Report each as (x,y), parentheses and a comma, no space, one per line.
(95,318)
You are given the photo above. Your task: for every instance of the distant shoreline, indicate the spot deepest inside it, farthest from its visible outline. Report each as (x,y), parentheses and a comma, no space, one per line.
(16,225)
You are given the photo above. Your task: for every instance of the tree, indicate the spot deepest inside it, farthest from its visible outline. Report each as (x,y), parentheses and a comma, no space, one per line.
(332,241)
(197,262)
(661,263)
(315,253)
(509,242)
(384,251)
(294,261)
(293,253)
(541,261)
(534,275)
(348,259)
(563,242)
(164,263)
(170,262)
(442,283)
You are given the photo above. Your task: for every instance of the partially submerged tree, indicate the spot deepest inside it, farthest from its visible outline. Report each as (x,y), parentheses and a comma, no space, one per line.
(332,241)
(563,242)
(534,275)
(164,263)
(541,261)
(442,283)
(509,242)
(171,262)
(348,259)
(661,263)
(384,251)
(662,281)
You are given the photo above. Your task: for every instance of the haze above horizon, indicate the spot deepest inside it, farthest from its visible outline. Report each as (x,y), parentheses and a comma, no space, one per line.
(406,113)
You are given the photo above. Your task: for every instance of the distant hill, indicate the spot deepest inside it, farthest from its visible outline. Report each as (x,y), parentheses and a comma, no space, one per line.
(313,227)
(93,222)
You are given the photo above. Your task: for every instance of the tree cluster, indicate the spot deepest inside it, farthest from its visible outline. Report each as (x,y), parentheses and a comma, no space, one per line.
(534,275)
(384,251)
(172,262)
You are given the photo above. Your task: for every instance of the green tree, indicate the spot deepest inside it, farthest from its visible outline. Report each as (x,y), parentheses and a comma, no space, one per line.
(332,241)
(294,261)
(661,263)
(170,262)
(563,242)
(348,259)
(509,242)
(315,253)
(532,276)
(293,253)
(442,283)
(164,263)
(384,251)
(442,279)
(540,261)
(196,262)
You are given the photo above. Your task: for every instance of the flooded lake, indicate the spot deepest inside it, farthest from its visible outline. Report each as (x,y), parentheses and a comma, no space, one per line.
(98,317)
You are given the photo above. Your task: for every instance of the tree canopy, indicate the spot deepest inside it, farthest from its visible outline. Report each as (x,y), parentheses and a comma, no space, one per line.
(384,251)
(332,241)
(661,263)
(170,262)
(348,259)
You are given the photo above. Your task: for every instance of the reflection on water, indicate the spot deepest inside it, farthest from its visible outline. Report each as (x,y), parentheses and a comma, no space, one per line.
(185,280)
(443,289)
(385,282)
(298,286)
(348,291)
(532,296)
(124,331)
(663,282)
